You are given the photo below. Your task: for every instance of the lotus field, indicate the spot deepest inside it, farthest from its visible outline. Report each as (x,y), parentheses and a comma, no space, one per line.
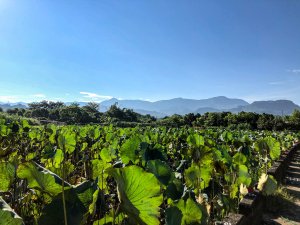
(96,175)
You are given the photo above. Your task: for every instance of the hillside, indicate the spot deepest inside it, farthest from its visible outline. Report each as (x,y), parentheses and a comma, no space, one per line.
(6,106)
(279,107)
(178,105)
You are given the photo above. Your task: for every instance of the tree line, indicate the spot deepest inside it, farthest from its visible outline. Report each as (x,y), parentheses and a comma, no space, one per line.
(76,114)
(90,113)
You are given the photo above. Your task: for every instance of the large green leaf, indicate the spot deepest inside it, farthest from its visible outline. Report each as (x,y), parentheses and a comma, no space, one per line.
(35,133)
(7,174)
(58,158)
(270,186)
(68,168)
(4,130)
(274,147)
(267,184)
(244,177)
(109,218)
(139,194)
(239,159)
(77,199)
(129,148)
(184,213)
(98,172)
(94,132)
(152,152)
(67,140)
(161,170)
(8,216)
(198,177)
(92,206)
(25,126)
(41,178)
(108,154)
(268,145)
(195,140)
(227,136)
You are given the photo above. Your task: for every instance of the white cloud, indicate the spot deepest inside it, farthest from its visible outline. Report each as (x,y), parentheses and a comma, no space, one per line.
(276,82)
(94,96)
(39,96)
(8,98)
(145,99)
(296,71)
(26,98)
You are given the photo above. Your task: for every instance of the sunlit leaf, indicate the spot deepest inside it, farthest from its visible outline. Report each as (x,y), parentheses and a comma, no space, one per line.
(139,194)
(243,175)
(7,174)
(67,141)
(195,140)
(274,147)
(129,148)
(41,178)
(239,159)
(98,172)
(184,213)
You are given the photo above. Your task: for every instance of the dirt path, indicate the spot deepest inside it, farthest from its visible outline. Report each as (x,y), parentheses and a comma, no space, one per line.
(285,208)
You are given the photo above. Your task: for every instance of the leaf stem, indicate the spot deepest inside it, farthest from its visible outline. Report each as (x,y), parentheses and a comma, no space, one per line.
(63,189)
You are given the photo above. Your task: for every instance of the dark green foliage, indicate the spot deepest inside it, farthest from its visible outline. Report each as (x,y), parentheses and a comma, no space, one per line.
(109,175)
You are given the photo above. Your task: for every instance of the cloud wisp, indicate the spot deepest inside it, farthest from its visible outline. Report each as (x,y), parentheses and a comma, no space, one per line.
(39,95)
(94,96)
(276,82)
(27,98)
(8,98)
(296,71)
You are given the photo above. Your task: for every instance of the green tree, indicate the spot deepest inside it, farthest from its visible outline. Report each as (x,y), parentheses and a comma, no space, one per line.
(265,121)
(40,113)
(190,118)
(115,112)
(174,121)
(295,119)
(213,119)
(279,123)
(13,111)
(92,107)
(72,114)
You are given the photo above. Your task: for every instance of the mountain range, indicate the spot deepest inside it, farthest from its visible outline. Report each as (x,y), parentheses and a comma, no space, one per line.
(183,106)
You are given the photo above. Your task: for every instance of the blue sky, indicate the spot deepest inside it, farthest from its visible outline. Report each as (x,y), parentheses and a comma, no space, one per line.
(91,50)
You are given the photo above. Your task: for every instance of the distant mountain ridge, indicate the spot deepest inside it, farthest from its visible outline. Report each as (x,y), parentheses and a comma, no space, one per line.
(6,106)
(178,105)
(183,106)
(279,107)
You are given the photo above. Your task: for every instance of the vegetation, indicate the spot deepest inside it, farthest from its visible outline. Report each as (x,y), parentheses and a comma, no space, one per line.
(74,114)
(108,175)
(50,112)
